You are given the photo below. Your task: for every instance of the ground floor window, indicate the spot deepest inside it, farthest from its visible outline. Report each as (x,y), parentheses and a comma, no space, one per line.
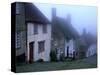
(41,46)
(18,39)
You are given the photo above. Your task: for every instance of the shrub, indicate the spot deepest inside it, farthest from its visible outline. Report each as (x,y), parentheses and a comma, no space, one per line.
(40,60)
(74,55)
(53,56)
(62,58)
(82,51)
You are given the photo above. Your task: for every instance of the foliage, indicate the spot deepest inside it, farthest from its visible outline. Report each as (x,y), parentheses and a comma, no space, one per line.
(53,55)
(82,51)
(40,60)
(62,58)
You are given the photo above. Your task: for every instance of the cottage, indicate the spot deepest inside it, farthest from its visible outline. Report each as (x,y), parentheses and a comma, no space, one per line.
(63,35)
(33,34)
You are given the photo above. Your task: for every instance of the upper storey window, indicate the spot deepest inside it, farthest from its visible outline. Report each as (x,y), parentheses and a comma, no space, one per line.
(44,28)
(17,8)
(35,28)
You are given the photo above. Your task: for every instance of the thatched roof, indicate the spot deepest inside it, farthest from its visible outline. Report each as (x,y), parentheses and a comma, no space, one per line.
(33,14)
(61,26)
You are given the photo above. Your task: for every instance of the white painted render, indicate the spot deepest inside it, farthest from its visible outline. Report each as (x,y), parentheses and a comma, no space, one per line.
(31,37)
(71,46)
(91,50)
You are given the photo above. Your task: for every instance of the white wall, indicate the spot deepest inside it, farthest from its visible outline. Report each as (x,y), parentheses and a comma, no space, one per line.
(71,45)
(91,50)
(39,37)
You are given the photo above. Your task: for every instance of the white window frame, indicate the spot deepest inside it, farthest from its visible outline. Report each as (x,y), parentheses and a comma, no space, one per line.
(18,39)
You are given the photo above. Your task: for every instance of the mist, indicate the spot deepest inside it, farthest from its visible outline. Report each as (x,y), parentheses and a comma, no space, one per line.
(82,17)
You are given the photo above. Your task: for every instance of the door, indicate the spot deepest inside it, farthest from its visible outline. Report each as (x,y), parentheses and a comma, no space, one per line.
(31,51)
(67,51)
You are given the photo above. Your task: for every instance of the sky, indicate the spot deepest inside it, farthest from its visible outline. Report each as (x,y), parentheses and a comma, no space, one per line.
(82,17)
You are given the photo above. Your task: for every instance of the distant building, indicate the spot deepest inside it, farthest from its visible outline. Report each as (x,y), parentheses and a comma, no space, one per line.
(86,41)
(63,36)
(92,50)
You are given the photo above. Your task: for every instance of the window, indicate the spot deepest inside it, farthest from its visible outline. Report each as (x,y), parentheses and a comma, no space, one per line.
(18,39)
(35,29)
(41,46)
(44,28)
(17,8)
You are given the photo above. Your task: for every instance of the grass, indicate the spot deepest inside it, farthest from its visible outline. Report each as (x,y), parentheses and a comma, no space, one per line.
(90,62)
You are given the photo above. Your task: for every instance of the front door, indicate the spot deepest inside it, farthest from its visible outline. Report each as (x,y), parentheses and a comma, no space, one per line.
(67,51)
(31,50)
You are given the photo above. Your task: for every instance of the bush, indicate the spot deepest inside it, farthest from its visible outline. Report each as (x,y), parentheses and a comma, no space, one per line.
(53,56)
(82,51)
(40,60)
(62,58)
(74,55)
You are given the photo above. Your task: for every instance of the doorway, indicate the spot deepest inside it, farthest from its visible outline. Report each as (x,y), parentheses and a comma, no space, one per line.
(67,51)
(31,50)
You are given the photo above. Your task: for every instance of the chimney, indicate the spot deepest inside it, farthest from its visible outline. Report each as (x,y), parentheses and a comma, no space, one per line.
(53,13)
(69,18)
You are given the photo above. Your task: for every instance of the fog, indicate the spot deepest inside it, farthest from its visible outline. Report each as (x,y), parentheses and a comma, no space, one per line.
(82,17)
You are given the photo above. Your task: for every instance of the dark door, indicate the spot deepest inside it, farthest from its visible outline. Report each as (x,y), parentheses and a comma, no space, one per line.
(31,50)
(67,51)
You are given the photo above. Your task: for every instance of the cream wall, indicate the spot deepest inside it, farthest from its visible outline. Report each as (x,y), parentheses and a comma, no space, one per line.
(39,37)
